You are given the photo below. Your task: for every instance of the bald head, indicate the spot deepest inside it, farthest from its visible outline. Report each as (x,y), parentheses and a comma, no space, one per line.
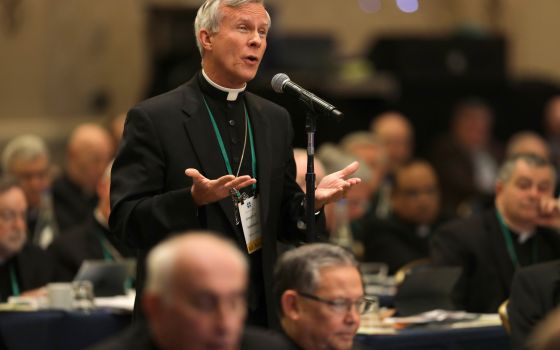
(89,151)
(397,135)
(195,295)
(193,251)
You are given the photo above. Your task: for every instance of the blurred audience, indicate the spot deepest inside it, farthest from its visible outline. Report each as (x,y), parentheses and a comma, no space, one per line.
(404,235)
(368,148)
(356,199)
(23,267)
(195,298)
(89,151)
(516,232)
(527,142)
(91,240)
(466,159)
(535,292)
(27,159)
(320,297)
(396,134)
(300,157)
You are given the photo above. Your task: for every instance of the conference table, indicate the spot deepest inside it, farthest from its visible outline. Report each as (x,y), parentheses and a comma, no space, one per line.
(476,338)
(57,330)
(52,329)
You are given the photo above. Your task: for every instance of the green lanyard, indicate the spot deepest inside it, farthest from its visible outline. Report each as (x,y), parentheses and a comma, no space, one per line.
(14,282)
(509,243)
(106,254)
(223,148)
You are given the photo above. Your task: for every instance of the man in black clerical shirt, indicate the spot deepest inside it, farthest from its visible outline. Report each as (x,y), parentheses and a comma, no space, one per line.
(491,246)
(211,155)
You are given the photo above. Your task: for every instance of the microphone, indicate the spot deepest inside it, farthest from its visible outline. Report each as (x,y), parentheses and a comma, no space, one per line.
(281,83)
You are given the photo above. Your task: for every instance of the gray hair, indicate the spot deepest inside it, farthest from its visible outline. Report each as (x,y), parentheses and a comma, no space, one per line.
(209,16)
(299,269)
(25,147)
(161,259)
(506,170)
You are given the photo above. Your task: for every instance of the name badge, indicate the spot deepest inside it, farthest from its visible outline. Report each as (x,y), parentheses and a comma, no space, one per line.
(249,212)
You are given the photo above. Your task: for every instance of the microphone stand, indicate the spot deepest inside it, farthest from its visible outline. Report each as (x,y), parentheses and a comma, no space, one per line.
(310,128)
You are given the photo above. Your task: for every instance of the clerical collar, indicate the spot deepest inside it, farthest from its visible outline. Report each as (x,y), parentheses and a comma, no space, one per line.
(231,94)
(523,237)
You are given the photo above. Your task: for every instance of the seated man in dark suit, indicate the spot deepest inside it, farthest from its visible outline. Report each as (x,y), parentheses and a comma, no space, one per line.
(404,235)
(89,151)
(491,246)
(195,298)
(320,297)
(89,241)
(23,267)
(535,292)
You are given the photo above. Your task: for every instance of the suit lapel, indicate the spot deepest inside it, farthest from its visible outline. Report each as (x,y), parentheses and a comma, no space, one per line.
(201,133)
(261,133)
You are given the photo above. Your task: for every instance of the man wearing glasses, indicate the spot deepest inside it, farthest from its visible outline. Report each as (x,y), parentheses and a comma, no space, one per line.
(320,297)
(24,268)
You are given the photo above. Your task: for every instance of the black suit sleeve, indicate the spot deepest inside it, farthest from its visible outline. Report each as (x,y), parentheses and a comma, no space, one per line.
(530,301)
(142,208)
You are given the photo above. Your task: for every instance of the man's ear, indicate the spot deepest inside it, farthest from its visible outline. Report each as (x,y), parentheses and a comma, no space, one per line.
(498,187)
(206,39)
(290,305)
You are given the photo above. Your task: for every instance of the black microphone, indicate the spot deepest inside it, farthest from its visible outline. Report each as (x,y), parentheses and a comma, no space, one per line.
(281,83)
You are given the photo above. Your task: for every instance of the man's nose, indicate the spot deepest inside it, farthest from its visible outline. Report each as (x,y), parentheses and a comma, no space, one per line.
(352,316)
(256,39)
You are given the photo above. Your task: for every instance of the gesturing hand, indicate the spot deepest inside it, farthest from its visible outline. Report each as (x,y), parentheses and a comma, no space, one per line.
(205,191)
(334,186)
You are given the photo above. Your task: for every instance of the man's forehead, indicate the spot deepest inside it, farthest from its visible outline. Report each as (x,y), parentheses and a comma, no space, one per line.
(531,172)
(245,12)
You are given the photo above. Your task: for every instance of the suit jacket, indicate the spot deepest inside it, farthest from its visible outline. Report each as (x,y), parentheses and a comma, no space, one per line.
(478,246)
(535,292)
(81,243)
(71,205)
(138,337)
(150,193)
(393,242)
(33,269)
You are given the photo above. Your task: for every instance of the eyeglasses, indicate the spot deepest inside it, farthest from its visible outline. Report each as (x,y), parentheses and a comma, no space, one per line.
(7,215)
(341,306)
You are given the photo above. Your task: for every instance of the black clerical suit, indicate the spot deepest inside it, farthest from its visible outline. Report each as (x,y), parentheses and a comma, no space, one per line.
(72,206)
(535,291)
(394,241)
(29,269)
(163,136)
(478,246)
(89,241)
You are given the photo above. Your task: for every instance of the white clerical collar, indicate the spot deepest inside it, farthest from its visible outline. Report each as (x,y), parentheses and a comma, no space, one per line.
(523,237)
(231,93)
